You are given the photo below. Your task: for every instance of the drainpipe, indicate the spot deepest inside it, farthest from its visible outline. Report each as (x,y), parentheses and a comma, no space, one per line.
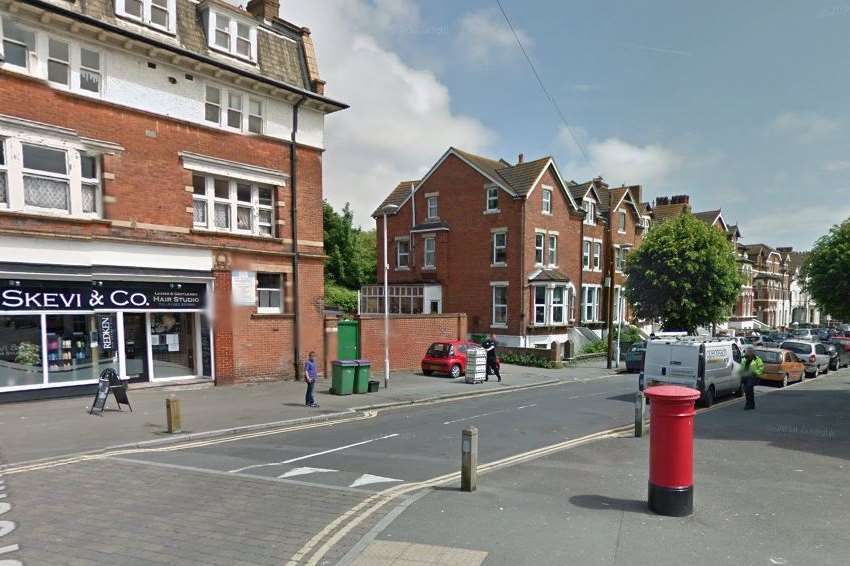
(580,291)
(523,278)
(293,188)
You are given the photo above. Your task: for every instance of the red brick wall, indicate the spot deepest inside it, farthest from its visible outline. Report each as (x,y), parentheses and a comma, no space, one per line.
(147,198)
(410,336)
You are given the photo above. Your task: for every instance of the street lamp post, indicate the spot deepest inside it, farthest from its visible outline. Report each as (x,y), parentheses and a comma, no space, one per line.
(388,209)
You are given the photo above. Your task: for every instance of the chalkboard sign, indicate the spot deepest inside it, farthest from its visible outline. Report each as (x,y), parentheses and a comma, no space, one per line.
(206,348)
(109,381)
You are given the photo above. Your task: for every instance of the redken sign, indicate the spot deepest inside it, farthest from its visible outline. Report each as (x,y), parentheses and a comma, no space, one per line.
(31,295)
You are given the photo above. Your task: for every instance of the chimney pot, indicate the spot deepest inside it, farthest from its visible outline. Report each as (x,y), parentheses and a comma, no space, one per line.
(520,158)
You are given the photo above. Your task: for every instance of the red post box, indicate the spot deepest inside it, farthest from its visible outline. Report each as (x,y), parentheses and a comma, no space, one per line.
(671,449)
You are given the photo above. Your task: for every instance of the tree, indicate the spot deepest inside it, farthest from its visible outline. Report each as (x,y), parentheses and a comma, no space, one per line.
(683,274)
(826,272)
(351,252)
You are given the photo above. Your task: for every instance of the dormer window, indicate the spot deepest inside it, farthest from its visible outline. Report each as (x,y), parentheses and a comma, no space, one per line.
(158,14)
(590,210)
(232,36)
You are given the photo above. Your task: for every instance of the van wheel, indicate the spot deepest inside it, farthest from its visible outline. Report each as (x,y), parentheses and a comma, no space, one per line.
(785,380)
(455,372)
(708,397)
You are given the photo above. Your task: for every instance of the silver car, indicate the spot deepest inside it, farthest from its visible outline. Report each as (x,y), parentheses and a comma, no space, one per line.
(814,355)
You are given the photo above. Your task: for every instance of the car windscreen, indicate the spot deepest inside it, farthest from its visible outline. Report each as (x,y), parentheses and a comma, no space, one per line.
(439,350)
(769,357)
(797,347)
(801,332)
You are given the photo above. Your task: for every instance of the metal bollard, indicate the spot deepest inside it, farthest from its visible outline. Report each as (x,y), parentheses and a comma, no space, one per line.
(172,414)
(640,415)
(469,459)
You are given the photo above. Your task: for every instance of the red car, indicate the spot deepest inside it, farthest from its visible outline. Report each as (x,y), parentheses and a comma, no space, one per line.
(447,357)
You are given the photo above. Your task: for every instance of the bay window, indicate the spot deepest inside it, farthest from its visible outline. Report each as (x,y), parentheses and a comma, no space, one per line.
(551,304)
(540,305)
(559,295)
(233,205)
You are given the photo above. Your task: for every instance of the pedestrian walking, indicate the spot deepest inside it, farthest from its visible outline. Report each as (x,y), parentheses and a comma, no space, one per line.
(310,376)
(489,344)
(751,370)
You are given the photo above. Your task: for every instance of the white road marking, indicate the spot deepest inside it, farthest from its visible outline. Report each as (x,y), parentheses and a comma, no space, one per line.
(366,479)
(488,414)
(304,471)
(291,460)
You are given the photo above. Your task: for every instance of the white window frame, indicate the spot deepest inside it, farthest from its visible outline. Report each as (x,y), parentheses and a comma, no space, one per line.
(597,255)
(547,200)
(233,37)
(587,254)
(245,110)
(209,103)
(589,206)
(171,9)
(84,69)
(96,182)
(552,250)
(431,210)
(399,254)
(494,323)
(66,63)
(591,308)
(231,96)
(618,260)
(621,221)
(539,243)
(563,305)
(429,256)
(253,100)
(496,247)
(278,290)
(541,317)
(66,177)
(491,194)
(31,54)
(232,201)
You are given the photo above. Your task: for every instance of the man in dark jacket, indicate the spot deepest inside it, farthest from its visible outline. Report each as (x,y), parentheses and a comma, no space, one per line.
(489,344)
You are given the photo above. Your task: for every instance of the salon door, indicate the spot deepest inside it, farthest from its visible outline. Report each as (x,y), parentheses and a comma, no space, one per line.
(136,346)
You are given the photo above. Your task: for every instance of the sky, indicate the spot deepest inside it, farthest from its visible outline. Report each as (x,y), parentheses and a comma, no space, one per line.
(741,105)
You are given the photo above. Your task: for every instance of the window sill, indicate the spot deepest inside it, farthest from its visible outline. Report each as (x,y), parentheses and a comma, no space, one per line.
(498,265)
(546,213)
(498,325)
(53,216)
(429,268)
(492,211)
(401,269)
(273,315)
(209,232)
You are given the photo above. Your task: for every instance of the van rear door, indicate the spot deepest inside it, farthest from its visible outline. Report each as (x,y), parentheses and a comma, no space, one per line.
(684,365)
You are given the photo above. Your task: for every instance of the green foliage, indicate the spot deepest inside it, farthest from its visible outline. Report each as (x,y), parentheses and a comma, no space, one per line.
(351,252)
(28,354)
(528,360)
(683,274)
(345,299)
(630,334)
(595,347)
(826,272)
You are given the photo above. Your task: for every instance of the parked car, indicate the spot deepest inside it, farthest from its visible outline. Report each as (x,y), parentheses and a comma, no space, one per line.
(710,366)
(772,339)
(814,355)
(447,357)
(839,354)
(635,356)
(803,334)
(825,334)
(781,366)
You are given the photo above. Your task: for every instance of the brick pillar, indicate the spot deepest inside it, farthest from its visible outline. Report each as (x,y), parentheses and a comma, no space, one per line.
(223,327)
(331,338)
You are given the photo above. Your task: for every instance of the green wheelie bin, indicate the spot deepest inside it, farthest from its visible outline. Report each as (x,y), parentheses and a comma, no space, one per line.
(342,378)
(361,377)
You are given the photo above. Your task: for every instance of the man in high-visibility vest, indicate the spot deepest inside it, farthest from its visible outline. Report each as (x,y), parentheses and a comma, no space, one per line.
(752,369)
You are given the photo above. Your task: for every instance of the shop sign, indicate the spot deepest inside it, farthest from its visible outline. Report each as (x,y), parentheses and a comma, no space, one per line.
(33,295)
(244,286)
(106,326)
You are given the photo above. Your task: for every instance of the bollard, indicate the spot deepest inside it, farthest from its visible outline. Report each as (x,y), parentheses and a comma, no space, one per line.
(640,415)
(469,459)
(671,450)
(172,414)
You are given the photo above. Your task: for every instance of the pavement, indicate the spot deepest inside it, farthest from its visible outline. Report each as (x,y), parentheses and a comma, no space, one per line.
(50,428)
(771,487)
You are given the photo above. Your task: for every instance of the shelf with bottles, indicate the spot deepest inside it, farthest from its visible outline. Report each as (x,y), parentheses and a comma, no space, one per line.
(67,351)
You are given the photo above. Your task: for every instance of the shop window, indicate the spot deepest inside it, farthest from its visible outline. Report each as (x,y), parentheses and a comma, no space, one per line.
(20,351)
(233,205)
(269,293)
(18,44)
(173,344)
(70,356)
(46,180)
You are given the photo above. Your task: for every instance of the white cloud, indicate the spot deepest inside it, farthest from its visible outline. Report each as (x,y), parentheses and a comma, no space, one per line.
(806,127)
(838,165)
(484,36)
(400,120)
(618,161)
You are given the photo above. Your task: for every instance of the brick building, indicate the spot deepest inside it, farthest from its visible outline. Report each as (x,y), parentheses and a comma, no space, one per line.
(160,193)
(502,243)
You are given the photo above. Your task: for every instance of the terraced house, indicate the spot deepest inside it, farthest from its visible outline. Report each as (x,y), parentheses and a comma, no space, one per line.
(505,244)
(160,192)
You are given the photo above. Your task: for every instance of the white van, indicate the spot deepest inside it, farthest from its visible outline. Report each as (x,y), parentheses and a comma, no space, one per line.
(710,365)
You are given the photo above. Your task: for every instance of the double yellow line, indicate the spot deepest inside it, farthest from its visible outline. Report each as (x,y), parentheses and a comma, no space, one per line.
(349,520)
(36,466)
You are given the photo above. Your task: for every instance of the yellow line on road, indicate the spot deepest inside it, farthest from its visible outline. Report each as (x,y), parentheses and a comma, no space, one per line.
(349,520)
(182,446)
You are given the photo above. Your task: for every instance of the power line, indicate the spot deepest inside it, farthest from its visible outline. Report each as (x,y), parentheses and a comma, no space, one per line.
(540,82)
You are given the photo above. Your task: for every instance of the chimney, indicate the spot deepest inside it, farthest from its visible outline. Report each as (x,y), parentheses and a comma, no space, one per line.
(661,201)
(520,158)
(264,9)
